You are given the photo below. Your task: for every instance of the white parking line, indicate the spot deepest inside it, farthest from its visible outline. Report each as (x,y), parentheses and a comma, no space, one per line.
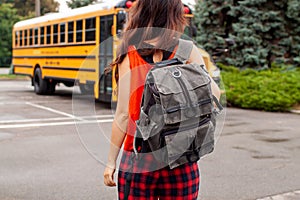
(57,121)
(53,110)
(33,120)
(53,119)
(11,126)
(35,102)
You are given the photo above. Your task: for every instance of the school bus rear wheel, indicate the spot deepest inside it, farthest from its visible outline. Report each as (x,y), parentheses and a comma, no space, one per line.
(40,84)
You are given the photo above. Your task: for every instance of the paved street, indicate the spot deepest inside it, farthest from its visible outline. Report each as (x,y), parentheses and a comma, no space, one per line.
(54,147)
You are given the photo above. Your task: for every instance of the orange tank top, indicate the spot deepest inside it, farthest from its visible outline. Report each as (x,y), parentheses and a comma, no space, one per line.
(139,69)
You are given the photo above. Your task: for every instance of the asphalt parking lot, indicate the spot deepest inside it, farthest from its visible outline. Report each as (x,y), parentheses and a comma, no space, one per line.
(54,148)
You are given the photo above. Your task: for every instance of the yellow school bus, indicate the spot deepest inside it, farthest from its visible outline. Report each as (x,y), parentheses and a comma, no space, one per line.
(65,48)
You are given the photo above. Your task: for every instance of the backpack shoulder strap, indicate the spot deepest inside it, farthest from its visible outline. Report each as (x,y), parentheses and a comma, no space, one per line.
(184,50)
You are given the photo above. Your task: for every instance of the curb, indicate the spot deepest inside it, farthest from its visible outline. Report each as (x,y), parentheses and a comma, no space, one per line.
(14,79)
(295,111)
(285,196)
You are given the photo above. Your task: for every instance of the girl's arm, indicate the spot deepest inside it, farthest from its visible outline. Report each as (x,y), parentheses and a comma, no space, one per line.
(120,122)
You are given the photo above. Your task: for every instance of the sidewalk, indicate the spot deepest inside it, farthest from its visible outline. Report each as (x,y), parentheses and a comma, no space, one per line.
(295,195)
(296,109)
(4,70)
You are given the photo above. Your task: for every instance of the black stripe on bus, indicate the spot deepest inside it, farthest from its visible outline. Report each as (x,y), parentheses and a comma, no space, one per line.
(62,79)
(58,45)
(71,69)
(23,66)
(68,79)
(58,57)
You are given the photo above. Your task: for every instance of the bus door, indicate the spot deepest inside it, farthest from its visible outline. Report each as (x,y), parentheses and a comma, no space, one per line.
(105,57)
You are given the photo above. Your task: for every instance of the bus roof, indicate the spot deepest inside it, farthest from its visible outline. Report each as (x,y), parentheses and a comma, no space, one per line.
(73,12)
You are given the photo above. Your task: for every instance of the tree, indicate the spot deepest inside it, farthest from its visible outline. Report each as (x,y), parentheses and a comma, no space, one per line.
(27,8)
(292,22)
(6,1)
(265,31)
(259,33)
(79,3)
(48,6)
(8,16)
(214,23)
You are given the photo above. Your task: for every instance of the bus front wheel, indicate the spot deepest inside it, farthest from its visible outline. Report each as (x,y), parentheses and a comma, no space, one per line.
(40,84)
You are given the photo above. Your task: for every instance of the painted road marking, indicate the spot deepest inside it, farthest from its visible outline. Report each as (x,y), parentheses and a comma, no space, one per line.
(54,119)
(11,126)
(53,110)
(285,196)
(57,121)
(35,102)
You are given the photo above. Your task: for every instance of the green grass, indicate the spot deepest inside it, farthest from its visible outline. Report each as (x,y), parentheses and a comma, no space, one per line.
(13,77)
(276,89)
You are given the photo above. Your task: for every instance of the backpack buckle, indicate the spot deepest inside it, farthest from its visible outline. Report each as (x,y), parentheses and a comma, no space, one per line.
(176,73)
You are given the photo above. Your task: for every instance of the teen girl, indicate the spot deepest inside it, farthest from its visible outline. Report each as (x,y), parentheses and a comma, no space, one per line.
(141,45)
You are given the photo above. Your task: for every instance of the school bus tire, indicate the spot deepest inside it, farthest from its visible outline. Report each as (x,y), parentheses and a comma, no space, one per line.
(40,84)
(86,88)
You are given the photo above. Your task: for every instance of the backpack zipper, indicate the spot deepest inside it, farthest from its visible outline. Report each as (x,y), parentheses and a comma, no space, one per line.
(184,128)
(187,96)
(176,108)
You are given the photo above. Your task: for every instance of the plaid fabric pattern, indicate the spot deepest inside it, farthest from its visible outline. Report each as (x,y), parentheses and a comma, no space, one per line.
(164,183)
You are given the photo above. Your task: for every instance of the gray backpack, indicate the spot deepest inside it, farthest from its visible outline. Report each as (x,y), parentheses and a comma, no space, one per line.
(177,117)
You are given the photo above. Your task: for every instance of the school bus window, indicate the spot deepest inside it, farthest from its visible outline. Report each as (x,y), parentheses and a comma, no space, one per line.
(90,29)
(42,30)
(79,31)
(55,34)
(30,37)
(106,23)
(48,33)
(21,38)
(16,38)
(106,48)
(36,36)
(62,32)
(70,31)
(25,37)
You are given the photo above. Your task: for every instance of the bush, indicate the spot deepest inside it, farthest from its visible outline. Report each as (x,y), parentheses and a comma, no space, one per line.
(276,89)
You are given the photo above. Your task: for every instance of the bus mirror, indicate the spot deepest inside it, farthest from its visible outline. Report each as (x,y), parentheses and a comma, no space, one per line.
(121,19)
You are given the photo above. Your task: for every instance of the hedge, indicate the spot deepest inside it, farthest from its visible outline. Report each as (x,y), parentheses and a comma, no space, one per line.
(275,89)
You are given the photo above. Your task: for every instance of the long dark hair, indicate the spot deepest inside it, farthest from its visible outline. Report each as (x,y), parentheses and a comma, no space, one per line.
(167,18)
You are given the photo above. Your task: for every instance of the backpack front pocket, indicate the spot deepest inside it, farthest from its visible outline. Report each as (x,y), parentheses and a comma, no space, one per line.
(188,139)
(184,96)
